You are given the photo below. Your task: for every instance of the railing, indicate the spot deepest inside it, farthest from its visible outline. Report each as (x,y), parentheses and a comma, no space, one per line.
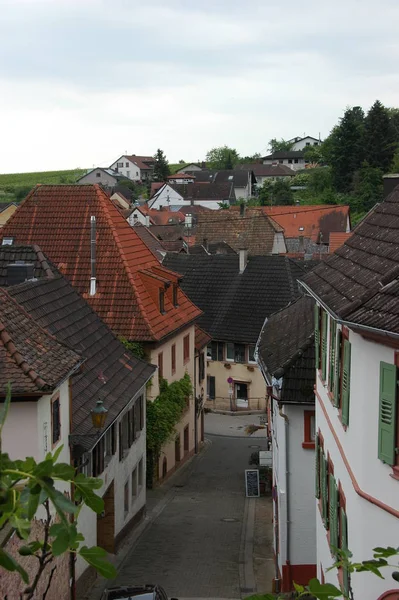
(235,405)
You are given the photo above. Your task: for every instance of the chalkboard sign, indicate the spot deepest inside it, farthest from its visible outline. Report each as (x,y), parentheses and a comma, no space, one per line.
(252,483)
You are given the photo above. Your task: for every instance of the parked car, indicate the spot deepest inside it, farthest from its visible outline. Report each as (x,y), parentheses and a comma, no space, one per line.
(139,592)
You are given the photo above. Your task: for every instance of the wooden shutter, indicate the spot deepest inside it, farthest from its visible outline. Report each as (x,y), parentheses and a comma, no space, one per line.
(337,370)
(317,466)
(346,367)
(333,512)
(331,371)
(120,441)
(317,334)
(113,438)
(344,547)
(324,345)
(324,488)
(387,414)
(212,387)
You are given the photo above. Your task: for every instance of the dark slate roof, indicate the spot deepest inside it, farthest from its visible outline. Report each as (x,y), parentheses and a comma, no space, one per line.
(285,154)
(27,254)
(235,305)
(286,349)
(151,241)
(211,248)
(31,360)
(358,282)
(199,191)
(110,373)
(262,170)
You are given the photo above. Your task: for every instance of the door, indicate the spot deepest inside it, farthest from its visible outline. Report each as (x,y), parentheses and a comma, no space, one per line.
(241,394)
(106,522)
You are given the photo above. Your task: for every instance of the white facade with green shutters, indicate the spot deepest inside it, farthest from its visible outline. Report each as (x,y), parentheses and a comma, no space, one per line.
(357,425)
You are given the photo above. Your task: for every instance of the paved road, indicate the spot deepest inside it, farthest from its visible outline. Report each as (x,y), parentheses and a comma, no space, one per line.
(192,548)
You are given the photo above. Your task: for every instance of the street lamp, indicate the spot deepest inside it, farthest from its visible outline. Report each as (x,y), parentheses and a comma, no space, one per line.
(99,415)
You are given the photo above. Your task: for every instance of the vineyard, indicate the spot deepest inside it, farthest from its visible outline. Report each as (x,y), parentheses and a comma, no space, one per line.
(15,186)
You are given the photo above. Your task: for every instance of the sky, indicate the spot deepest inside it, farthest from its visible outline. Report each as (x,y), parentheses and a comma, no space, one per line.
(85,81)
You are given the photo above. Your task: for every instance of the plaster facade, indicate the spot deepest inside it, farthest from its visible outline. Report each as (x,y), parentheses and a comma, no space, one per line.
(128,168)
(169,198)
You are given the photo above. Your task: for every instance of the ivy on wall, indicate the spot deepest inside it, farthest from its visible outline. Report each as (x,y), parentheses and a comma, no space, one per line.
(135,348)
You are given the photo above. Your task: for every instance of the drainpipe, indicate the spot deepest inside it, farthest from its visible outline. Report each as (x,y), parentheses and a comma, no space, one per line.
(195,405)
(287,487)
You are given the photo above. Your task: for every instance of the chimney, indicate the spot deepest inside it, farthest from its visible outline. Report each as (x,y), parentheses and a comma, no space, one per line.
(301,247)
(243,259)
(19,272)
(147,220)
(390,182)
(93,255)
(205,243)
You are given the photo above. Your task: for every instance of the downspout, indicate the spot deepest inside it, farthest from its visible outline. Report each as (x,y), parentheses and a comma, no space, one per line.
(195,405)
(287,485)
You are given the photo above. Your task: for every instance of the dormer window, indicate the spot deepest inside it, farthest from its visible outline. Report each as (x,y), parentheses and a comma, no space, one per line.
(162,301)
(7,241)
(175,299)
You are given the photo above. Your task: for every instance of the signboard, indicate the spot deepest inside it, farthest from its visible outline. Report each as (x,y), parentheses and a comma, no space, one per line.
(252,483)
(265,458)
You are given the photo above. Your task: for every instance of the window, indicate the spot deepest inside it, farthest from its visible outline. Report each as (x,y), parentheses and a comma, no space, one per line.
(388,421)
(281,162)
(175,299)
(186,439)
(126,165)
(141,474)
(110,442)
(134,482)
(229,351)
(251,353)
(315,143)
(98,174)
(186,348)
(173,355)
(215,351)
(98,455)
(296,161)
(126,497)
(7,241)
(211,387)
(290,161)
(160,365)
(162,301)
(309,429)
(55,419)
(308,143)
(239,353)
(119,164)
(201,367)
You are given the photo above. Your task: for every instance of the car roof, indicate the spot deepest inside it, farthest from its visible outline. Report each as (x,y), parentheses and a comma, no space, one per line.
(145,592)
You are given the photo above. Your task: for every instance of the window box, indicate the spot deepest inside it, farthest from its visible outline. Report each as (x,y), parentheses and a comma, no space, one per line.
(227,366)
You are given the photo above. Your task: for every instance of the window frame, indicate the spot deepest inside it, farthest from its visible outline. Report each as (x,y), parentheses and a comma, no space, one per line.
(240,350)
(54,401)
(162,301)
(253,362)
(231,344)
(186,349)
(126,495)
(160,365)
(309,443)
(175,296)
(173,358)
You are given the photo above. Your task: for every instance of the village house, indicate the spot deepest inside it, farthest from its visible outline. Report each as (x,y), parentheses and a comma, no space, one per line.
(137,297)
(108,178)
(6,211)
(85,363)
(136,168)
(356,292)
(286,357)
(150,216)
(175,196)
(243,180)
(301,143)
(271,172)
(235,293)
(294,159)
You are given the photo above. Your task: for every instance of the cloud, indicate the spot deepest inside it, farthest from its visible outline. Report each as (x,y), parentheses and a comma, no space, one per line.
(83,81)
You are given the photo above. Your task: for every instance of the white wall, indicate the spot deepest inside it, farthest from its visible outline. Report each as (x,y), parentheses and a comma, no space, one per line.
(293,165)
(368,525)
(176,200)
(131,171)
(302,144)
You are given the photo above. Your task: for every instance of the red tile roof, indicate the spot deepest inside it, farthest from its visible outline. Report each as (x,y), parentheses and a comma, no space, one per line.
(129,275)
(337,240)
(202,338)
(322,218)
(31,359)
(143,162)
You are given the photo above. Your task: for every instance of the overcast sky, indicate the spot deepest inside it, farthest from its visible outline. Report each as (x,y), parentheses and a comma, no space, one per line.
(84,81)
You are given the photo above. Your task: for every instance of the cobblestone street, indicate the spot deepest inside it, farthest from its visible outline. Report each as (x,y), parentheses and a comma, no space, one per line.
(194,546)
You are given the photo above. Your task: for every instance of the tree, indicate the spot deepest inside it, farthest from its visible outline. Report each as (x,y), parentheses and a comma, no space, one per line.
(161,167)
(343,149)
(26,487)
(380,142)
(222,157)
(314,154)
(276,145)
(368,188)
(277,193)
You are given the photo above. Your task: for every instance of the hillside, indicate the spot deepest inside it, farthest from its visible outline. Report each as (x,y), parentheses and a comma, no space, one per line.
(15,186)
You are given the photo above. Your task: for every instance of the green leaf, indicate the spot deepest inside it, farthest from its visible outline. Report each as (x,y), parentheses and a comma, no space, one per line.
(62,503)
(21,524)
(30,500)
(57,453)
(84,491)
(385,552)
(323,591)
(61,543)
(298,588)
(10,564)
(5,406)
(64,471)
(25,551)
(43,469)
(95,556)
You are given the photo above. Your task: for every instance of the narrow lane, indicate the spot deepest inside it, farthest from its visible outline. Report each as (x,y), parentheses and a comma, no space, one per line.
(192,548)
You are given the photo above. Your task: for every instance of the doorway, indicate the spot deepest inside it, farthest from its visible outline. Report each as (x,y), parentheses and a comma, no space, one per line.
(241,394)
(106,522)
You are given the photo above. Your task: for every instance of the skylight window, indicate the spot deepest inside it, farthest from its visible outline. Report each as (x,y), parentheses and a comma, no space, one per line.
(7,241)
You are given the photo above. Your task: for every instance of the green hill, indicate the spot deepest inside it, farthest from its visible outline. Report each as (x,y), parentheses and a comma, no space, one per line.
(15,186)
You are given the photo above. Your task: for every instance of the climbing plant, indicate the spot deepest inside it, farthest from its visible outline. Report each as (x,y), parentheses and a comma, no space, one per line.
(163,414)
(135,348)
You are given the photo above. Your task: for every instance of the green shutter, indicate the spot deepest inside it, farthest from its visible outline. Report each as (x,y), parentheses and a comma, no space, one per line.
(324,345)
(317,334)
(387,414)
(346,367)
(333,327)
(333,511)
(324,489)
(317,466)
(337,370)
(344,547)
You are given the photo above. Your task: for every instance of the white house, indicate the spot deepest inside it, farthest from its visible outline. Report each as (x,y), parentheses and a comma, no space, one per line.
(286,357)
(294,159)
(301,143)
(357,428)
(108,178)
(209,195)
(137,168)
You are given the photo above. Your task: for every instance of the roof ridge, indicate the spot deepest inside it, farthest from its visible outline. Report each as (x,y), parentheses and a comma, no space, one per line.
(101,196)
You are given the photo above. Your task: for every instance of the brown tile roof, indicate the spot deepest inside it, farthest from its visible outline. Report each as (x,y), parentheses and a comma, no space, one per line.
(150,240)
(202,191)
(253,231)
(31,359)
(202,338)
(315,220)
(261,170)
(145,163)
(109,372)
(129,275)
(359,282)
(337,239)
